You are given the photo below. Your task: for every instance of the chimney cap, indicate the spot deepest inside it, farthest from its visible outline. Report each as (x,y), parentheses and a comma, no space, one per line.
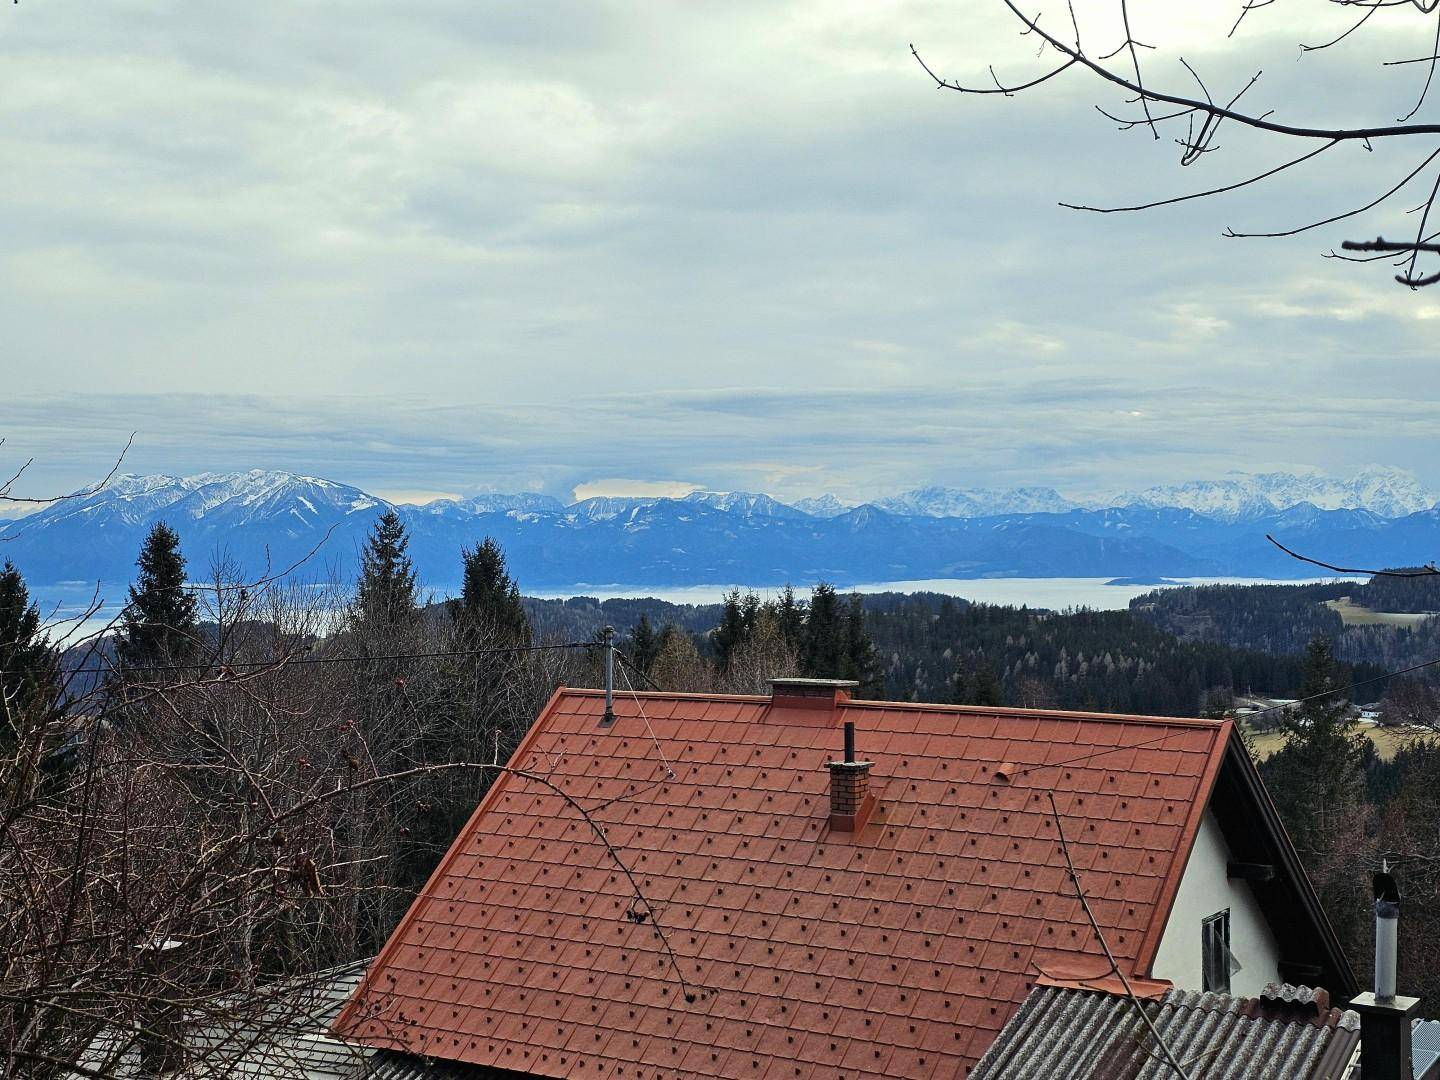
(800,685)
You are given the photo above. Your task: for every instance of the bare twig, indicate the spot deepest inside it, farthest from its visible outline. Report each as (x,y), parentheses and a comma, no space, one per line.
(1428,570)
(1115,968)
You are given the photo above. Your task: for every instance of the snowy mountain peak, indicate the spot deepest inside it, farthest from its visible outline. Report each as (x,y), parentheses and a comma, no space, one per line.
(255,497)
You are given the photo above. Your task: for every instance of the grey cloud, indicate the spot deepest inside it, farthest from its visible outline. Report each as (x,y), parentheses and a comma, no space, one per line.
(480,244)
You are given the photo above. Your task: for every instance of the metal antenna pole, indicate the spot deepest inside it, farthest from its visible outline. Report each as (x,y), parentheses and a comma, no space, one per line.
(608,635)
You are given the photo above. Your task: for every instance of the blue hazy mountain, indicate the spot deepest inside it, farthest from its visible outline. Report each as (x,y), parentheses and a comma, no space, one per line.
(270,520)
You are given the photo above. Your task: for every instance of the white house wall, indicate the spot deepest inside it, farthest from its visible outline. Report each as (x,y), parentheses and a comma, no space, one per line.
(1205,891)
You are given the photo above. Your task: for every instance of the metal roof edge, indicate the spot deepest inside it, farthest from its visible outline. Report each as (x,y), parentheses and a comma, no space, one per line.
(1198,722)
(1170,887)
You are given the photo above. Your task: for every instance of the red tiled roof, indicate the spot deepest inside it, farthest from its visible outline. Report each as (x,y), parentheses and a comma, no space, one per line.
(900,950)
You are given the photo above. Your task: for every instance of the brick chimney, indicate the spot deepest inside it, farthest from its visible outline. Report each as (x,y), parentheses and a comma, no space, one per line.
(1385,1037)
(810,693)
(850,800)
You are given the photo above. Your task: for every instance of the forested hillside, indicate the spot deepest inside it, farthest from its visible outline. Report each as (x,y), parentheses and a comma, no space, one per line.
(936,649)
(931,647)
(1284,618)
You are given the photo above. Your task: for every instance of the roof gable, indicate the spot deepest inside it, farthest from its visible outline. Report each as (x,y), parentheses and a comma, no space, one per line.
(897,950)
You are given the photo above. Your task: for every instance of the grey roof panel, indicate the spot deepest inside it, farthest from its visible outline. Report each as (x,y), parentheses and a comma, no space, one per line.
(1425,1049)
(1289,1034)
(386,1065)
(277,1031)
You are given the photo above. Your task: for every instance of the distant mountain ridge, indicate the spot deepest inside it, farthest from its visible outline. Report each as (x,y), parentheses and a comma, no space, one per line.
(977,502)
(268,519)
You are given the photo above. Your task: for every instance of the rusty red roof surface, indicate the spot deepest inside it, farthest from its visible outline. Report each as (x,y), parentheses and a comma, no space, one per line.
(767,944)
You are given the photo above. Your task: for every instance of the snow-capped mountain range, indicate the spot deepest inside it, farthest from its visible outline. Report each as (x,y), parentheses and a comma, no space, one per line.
(1382,490)
(270,519)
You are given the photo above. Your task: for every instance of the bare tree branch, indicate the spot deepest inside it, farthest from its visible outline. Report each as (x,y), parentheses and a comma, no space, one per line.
(1427,571)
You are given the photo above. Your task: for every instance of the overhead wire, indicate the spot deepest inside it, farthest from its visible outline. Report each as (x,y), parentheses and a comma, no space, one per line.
(297,660)
(669,772)
(1257,712)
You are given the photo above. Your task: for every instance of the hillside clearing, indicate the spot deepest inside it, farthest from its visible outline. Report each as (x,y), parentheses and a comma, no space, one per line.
(1352,614)
(1387,740)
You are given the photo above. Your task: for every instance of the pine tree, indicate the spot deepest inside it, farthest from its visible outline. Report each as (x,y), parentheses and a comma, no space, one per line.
(489,597)
(159,626)
(27,663)
(750,608)
(387,595)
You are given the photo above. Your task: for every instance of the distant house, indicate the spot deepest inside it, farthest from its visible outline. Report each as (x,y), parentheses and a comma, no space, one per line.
(712,886)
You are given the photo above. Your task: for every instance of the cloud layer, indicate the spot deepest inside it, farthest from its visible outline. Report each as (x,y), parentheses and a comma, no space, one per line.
(480,245)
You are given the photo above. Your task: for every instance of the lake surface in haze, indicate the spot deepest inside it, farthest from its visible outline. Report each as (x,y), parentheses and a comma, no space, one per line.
(70,601)
(1055,593)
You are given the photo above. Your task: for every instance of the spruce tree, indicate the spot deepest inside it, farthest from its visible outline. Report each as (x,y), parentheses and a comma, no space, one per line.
(790,614)
(978,685)
(159,626)
(387,595)
(859,662)
(27,663)
(1316,778)
(824,649)
(644,645)
(731,633)
(490,598)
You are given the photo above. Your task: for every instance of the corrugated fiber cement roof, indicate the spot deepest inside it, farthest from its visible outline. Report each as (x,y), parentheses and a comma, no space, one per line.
(1290,1033)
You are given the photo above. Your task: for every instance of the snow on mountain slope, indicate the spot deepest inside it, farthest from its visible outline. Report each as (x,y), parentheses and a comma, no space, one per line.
(528,502)
(126,500)
(976,502)
(823,506)
(1384,490)
(606,507)
(747,503)
(259,496)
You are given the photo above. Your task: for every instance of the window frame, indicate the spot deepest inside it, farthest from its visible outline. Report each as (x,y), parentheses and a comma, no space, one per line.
(1215,928)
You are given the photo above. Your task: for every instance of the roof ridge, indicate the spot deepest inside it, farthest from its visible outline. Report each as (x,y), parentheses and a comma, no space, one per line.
(1200,722)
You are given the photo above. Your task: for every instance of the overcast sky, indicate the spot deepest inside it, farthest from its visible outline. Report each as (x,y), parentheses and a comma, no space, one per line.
(459,246)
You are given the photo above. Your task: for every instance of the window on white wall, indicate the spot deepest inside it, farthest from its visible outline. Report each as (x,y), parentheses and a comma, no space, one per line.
(1217,963)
